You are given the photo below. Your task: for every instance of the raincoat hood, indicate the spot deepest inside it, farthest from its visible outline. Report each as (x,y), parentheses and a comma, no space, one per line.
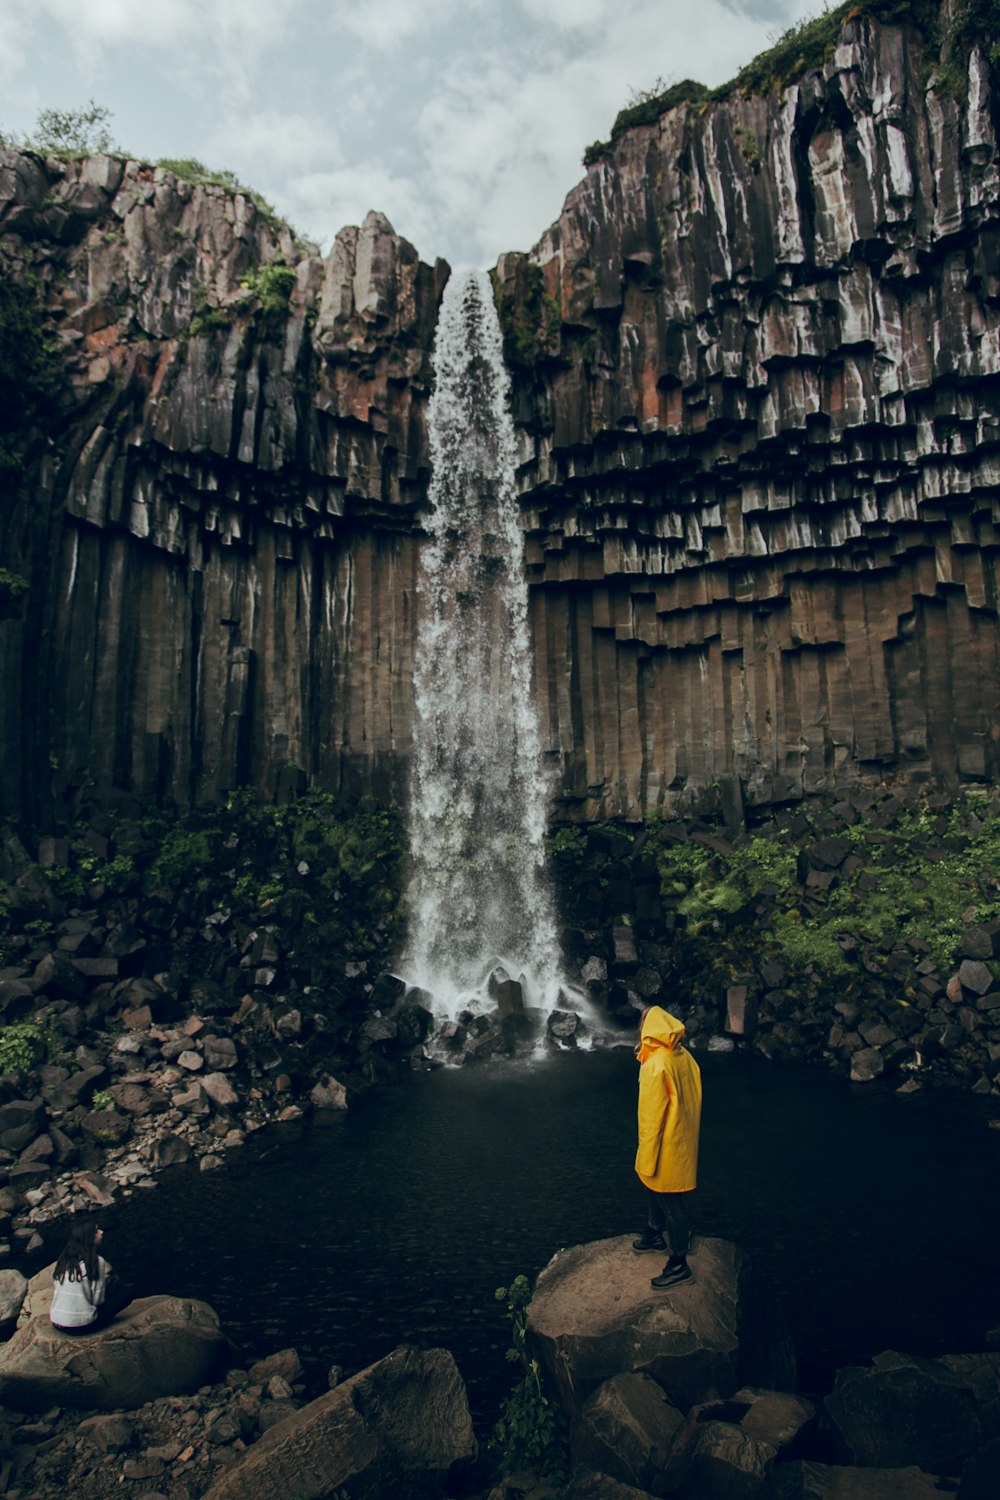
(659,1029)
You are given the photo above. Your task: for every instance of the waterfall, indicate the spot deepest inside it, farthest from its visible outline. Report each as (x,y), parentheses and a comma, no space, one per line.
(478,896)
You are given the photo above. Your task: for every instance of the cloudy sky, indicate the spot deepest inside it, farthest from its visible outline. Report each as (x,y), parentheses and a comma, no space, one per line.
(463,121)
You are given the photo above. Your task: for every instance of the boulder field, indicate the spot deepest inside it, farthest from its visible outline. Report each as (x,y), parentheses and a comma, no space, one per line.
(691,1393)
(688,1394)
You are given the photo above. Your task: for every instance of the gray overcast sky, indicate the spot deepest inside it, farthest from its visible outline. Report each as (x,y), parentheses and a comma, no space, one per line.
(463,121)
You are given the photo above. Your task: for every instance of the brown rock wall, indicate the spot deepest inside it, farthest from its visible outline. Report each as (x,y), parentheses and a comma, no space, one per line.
(757,383)
(222,587)
(761,452)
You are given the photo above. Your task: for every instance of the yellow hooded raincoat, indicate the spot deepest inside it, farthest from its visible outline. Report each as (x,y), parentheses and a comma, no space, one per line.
(669,1106)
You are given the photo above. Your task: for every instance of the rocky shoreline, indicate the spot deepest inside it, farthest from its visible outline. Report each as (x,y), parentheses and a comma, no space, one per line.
(691,1395)
(150,1025)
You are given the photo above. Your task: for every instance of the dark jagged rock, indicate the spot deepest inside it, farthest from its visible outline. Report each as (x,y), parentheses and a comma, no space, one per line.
(627,1429)
(707,1338)
(757,381)
(407,1413)
(910,1411)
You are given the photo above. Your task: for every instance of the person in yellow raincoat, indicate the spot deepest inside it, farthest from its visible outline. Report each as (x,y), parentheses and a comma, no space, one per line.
(667,1159)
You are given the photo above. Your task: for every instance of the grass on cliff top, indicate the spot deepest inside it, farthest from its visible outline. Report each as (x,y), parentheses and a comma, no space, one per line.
(190,169)
(808,45)
(74,133)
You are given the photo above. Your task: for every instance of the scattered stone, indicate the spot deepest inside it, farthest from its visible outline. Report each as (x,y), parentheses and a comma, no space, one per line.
(327,1093)
(13,1287)
(867,1063)
(219,1090)
(904,1411)
(108,1434)
(975,976)
(628,1429)
(406,1414)
(170,1151)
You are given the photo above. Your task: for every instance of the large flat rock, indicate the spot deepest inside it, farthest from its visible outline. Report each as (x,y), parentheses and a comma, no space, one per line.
(408,1413)
(594,1315)
(158,1346)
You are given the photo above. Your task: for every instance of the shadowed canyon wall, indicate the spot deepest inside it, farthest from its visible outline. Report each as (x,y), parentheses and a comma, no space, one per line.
(756,372)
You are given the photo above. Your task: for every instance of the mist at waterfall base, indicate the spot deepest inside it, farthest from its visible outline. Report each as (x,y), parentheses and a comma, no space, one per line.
(478,898)
(873,1217)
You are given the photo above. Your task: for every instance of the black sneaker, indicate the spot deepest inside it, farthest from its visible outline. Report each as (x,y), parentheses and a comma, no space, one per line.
(672,1276)
(650,1239)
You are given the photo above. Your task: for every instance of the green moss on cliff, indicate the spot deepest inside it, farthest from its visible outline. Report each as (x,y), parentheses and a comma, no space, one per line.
(531,323)
(810,44)
(29,370)
(190,169)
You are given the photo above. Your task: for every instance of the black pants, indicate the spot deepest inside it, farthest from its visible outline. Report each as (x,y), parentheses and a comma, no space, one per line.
(667,1213)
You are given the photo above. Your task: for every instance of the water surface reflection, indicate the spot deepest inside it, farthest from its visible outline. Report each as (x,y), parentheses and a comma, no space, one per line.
(872,1215)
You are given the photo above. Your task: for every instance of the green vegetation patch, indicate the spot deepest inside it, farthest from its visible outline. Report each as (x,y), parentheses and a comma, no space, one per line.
(530,324)
(30,370)
(810,43)
(190,169)
(531,1431)
(920,882)
(26,1044)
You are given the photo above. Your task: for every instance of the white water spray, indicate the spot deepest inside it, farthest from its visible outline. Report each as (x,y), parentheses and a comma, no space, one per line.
(478,897)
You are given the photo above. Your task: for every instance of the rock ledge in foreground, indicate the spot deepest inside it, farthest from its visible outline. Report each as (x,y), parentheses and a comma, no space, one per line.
(409,1412)
(158,1346)
(594,1315)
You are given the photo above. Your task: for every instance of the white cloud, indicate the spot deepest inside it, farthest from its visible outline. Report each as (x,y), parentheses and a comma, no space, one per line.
(463,121)
(327,201)
(267,143)
(570,15)
(506,141)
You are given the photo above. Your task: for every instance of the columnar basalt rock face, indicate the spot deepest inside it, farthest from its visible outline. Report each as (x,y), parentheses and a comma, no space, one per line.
(761,449)
(757,385)
(222,540)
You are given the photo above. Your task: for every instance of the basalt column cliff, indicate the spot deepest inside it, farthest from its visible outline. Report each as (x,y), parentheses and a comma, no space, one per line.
(757,387)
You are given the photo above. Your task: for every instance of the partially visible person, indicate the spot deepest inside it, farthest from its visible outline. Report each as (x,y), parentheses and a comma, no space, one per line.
(83,1296)
(669,1123)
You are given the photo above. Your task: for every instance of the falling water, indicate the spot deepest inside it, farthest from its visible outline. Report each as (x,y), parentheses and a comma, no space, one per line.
(478,895)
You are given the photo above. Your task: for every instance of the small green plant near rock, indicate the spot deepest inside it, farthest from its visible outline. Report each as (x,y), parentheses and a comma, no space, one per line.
(101,1099)
(531,1430)
(271,285)
(73,881)
(74,132)
(12,585)
(190,169)
(568,843)
(30,375)
(531,326)
(750,151)
(205,318)
(26,1044)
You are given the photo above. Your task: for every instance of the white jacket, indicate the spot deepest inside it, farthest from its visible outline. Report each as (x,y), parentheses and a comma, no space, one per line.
(75,1303)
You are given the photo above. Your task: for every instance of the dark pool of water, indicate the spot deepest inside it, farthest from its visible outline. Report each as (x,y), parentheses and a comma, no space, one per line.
(875,1218)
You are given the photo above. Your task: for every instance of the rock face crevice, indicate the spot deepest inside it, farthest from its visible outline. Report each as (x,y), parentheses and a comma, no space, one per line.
(761,451)
(219,538)
(756,373)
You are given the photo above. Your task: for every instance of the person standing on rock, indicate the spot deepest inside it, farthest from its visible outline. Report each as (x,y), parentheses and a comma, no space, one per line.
(81,1300)
(667,1159)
